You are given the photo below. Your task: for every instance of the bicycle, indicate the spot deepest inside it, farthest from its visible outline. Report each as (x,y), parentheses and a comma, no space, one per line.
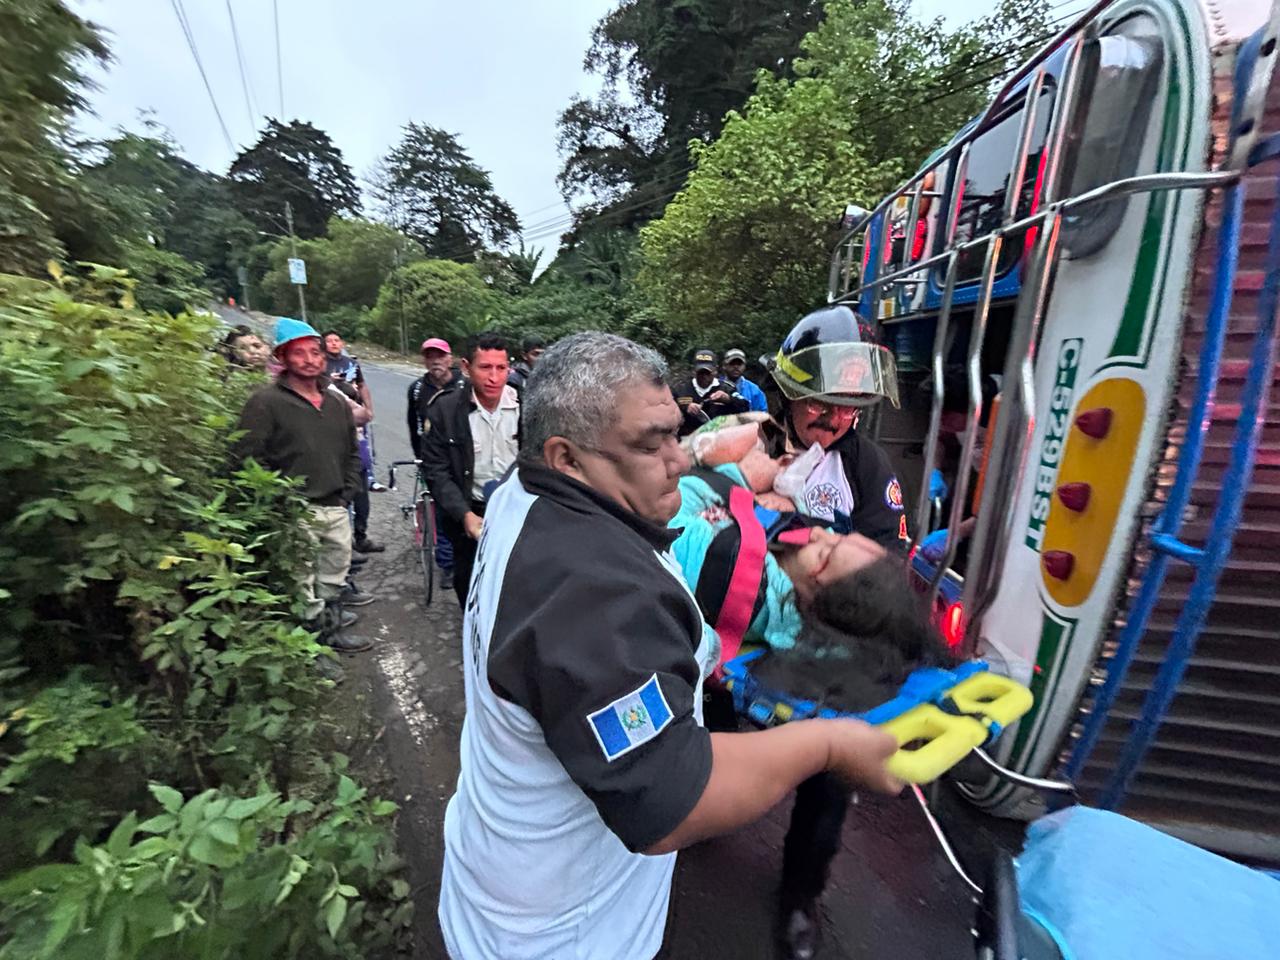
(422,509)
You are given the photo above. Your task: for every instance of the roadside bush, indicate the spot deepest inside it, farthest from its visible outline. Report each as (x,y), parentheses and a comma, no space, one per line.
(149,635)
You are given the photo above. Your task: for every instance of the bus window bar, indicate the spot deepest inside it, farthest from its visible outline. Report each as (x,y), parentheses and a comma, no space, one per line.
(1015,426)
(1056,143)
(923,506)
(1012,436)
(1169,521)
(909,238)
(1014,191)
(977,335)
(1144,183)
(1226,518)
(1070,33)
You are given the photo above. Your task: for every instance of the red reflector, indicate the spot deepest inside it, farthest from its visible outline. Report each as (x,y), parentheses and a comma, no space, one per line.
(953,624)
(1095,423)
(1075,496)
(1059,564)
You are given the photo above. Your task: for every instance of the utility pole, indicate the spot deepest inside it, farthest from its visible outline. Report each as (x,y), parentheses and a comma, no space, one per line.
(293,247)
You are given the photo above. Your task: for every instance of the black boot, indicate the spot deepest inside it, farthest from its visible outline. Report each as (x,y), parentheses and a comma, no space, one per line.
(336,620)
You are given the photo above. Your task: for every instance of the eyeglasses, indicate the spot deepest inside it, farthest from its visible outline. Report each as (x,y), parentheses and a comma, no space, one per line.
(815,407)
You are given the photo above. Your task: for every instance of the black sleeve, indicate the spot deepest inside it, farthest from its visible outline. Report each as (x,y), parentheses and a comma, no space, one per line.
(878,512)
(438,465)
(580,661)
(413,421)
(257,423)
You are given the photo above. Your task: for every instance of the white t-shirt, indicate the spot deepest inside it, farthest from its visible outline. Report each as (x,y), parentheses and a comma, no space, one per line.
(826,489)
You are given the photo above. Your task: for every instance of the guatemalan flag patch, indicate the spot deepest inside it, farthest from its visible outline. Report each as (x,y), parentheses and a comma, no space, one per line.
(631,720)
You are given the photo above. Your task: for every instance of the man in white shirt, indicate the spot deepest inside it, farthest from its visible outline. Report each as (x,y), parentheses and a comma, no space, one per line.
(584,761)
(470,439)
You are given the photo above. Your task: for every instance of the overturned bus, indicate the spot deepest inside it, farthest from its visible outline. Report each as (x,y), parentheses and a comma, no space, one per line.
(1080,291)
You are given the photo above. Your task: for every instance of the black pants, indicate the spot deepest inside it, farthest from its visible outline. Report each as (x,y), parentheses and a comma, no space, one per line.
(360,506)
(813,839)
(464,553)
(817,818)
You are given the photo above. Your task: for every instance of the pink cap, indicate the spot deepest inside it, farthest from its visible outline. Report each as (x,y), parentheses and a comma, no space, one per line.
(435,343)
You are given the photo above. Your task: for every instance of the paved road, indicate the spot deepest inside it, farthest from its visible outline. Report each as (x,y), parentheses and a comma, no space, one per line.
(892,895)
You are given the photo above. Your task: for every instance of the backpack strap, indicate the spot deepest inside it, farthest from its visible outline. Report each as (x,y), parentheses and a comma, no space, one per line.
(744,584)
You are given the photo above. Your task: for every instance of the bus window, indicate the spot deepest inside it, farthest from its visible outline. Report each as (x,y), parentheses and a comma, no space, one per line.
(982,203)
(1121,72)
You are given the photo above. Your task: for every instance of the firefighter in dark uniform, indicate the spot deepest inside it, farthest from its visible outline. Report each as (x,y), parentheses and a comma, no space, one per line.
(829,368)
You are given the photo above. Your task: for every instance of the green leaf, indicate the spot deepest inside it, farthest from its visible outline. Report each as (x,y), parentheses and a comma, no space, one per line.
(63,917)
(167,797)
(150,848)
(206,849)
(334,913)
(201,605)
(122,836)
(348,791)
(247,807)
(161,823)
(346,890)
(384,808)
(225,831)
(123,499)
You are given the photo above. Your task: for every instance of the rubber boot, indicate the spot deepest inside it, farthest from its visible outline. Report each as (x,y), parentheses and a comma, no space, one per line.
(337,620)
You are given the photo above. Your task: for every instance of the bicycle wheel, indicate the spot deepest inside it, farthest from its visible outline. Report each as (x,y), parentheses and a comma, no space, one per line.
(424,533)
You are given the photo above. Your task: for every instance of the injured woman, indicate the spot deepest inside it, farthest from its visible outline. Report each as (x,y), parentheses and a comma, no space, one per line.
(842,624)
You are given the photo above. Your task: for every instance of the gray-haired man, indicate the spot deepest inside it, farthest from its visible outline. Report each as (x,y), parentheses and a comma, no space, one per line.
(585,764)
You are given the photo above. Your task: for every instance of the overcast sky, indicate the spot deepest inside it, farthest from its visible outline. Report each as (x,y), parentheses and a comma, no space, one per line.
(495,72)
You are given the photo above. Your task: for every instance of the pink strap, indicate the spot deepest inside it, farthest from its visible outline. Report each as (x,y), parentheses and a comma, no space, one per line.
(744,586)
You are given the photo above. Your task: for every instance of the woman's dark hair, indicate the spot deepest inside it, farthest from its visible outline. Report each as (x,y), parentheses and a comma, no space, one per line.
(227,345)
(862,636)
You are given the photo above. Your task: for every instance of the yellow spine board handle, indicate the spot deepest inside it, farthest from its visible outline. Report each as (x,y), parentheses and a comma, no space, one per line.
(945,741)
(995,697)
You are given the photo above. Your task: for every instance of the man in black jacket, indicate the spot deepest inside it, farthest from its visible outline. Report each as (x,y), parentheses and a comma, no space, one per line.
(706,396)
(472,437)
(437,358)
(530,351)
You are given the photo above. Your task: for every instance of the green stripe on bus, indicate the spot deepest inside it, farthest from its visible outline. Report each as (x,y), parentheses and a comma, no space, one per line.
(1131,337)
(1051,634)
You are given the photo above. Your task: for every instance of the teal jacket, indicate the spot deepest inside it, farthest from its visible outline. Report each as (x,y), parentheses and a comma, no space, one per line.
(703,514)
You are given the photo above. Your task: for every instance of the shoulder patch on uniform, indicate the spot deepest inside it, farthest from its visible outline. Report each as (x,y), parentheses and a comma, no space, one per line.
(631,720)
(893,494)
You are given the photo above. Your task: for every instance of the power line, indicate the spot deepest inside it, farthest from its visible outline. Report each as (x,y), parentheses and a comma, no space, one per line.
(275,13)
(180,13)
(244,77)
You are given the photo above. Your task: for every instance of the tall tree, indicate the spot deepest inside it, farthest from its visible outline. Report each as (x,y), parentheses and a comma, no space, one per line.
(150,194)
(745,244)
(684,64)
(297,163)
(43,51)
(429,186)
